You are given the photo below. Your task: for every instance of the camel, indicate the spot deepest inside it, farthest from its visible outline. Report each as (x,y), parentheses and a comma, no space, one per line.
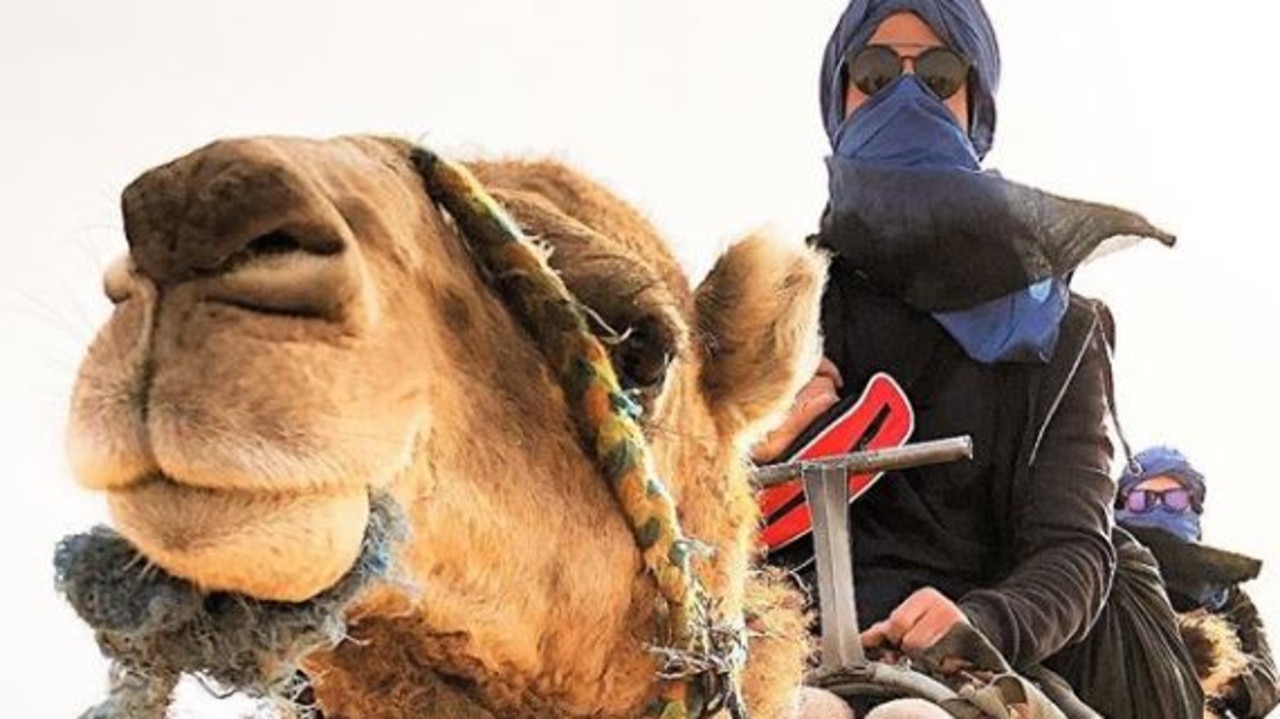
(298,327)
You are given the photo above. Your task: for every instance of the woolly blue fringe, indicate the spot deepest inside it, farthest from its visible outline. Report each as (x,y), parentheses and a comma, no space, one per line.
(155,627)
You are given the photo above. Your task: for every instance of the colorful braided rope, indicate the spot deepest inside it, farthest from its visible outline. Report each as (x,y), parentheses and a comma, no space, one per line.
(701,672)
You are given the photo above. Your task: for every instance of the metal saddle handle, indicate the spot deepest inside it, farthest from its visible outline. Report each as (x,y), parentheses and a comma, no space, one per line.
(845,669)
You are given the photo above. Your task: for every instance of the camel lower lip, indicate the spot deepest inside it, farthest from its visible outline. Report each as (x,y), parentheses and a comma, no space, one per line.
(283,547)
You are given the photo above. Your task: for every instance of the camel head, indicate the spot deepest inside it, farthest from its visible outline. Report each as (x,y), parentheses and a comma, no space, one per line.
(298,327)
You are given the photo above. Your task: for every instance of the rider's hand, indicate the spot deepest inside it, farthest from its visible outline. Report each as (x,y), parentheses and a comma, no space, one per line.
(916,625)
(812,400)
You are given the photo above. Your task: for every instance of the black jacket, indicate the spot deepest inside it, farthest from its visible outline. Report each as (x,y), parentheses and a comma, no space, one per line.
(1187,569)
(1019,536)
(1257,692)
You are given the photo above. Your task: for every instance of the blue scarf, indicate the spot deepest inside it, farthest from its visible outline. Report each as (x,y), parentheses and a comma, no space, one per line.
(911,208)
(1185,526)
(1162,461)
(905,126)
(962,24)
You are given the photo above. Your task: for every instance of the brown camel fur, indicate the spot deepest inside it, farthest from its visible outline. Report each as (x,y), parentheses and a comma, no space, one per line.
(1215,653)
(297,325)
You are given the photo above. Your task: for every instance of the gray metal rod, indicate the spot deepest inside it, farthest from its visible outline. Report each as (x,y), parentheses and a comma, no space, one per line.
(877,460)
(827,490)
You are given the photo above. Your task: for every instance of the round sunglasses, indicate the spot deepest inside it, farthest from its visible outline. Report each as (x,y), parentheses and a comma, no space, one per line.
(1176,500)
(941,69)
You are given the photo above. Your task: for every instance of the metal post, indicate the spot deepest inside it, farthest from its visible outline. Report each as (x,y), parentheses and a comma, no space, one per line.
(827,490)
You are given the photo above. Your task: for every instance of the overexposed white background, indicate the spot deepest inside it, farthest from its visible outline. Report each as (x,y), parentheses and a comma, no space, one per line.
(702,113)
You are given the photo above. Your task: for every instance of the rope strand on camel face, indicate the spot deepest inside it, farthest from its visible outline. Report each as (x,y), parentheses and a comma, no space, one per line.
(606,419)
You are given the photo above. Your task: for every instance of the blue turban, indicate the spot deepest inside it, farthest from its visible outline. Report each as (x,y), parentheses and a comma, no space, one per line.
(1166,461)
(1192,572)
(962,24)
(911,209)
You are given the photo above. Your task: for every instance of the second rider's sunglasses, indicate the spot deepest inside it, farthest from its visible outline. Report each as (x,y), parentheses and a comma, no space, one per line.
(1176,500)
(941,69)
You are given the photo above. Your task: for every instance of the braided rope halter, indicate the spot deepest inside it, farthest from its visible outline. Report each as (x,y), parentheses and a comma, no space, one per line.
(701,656)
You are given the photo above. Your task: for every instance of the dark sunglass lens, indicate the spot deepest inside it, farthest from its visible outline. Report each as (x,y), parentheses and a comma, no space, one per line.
(1136,502)
(873,68)
(942,70)
(1177,500)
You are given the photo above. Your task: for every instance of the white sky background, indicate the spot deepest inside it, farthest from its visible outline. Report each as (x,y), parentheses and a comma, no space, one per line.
(702,113)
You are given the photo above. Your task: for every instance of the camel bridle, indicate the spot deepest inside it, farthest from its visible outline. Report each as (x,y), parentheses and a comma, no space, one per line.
(701,657)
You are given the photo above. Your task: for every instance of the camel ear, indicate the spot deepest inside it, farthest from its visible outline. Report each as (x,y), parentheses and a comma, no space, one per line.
(757,314)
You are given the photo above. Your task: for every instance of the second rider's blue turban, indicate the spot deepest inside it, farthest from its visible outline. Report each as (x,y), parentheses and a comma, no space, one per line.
(962,24)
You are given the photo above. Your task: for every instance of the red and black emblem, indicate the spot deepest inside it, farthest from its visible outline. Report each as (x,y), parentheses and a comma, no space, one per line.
(879,419)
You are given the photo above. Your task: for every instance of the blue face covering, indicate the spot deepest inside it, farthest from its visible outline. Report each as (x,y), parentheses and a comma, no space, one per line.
(1162,461)
(912,212)
(963,26)
(905,126)
(1184,525)
(1194,572)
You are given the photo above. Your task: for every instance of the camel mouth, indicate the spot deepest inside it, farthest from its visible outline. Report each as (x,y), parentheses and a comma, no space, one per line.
(278,546)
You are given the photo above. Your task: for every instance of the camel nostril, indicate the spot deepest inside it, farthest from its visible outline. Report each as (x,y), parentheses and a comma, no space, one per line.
(298,271)
(278,242)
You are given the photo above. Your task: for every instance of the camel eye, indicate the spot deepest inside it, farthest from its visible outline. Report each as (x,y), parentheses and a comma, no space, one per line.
(642,355)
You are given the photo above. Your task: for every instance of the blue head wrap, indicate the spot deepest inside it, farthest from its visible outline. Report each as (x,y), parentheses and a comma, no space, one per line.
(912,209)
(1203,589)
(1163,460)
(905,127)
(962,24)
(1169,462)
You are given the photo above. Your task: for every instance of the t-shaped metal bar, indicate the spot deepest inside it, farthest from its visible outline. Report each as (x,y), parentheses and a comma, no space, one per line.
(827,489)
(916,454)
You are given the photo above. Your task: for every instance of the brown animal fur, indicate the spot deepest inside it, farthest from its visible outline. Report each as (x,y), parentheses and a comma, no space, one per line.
(297,325)
(1215,651)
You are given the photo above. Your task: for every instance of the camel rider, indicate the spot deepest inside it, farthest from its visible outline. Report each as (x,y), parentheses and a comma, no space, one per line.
(955,281)
(1161,500)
